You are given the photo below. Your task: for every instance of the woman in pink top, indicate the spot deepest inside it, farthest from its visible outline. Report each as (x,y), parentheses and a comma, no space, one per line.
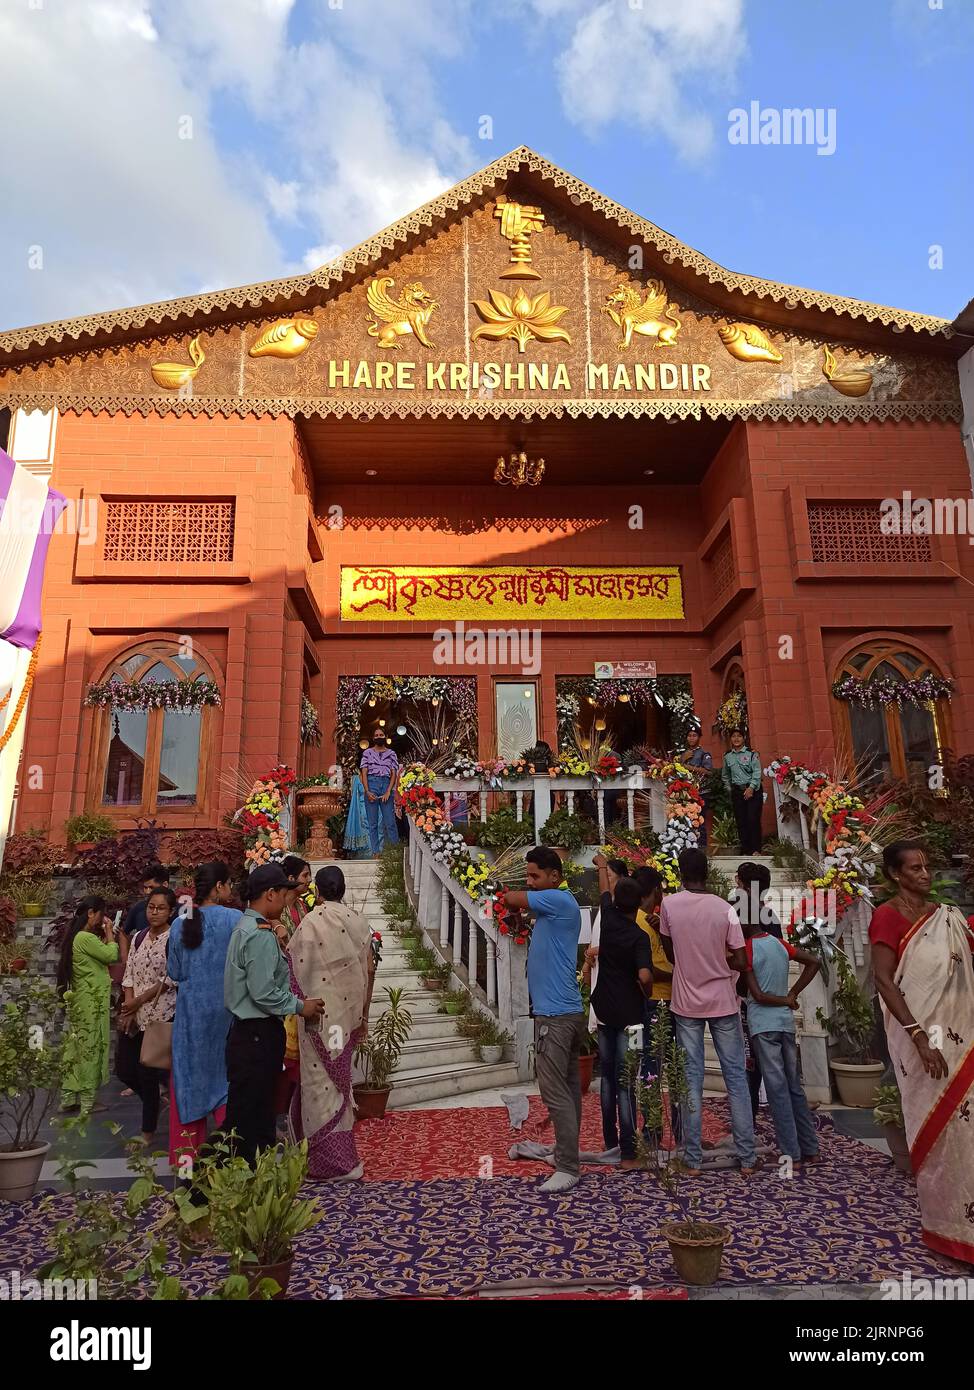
(702,937)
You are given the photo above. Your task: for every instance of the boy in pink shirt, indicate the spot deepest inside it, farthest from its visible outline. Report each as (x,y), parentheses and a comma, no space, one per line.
(702,936)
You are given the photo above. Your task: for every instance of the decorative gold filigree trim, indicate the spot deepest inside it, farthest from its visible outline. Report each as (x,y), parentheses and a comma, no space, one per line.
(375,409)
(422,220)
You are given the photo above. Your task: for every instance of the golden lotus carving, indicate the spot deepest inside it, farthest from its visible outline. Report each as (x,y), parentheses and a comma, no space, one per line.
(851,381)
(517,224)
(395,318)
(285,338)
(521,317)
(173,375)
(646,316)
(747,343)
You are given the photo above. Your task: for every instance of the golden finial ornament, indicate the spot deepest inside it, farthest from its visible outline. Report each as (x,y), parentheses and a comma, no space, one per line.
(390,318)
(285,338)
(521,317)
(647,317)
(747,343)
(173,375)
(519,470)
(517,224)
(852,381)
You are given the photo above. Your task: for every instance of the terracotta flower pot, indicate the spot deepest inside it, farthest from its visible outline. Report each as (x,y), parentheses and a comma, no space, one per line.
(371,1102)
(856,1082)
(280,1273)
(431,984)
(696,1259)
(586,1062)
(899,1149)
(20,1172)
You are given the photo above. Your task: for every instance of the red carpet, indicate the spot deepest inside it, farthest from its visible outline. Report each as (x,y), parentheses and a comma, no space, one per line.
(418,1145)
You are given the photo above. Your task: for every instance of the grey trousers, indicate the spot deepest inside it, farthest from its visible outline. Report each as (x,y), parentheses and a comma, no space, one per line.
(556,1045)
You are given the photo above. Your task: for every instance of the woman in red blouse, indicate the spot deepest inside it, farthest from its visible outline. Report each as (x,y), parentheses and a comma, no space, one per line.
(922,962)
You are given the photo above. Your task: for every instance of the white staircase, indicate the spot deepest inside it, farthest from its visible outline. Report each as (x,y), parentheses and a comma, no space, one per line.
(436,1062)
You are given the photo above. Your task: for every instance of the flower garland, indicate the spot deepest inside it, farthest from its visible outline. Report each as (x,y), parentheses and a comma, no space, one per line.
(672,692)
(355,692)
(886,690)
(260,817)
(732,714)
(310,723)
(179,697)
(684,817)
(848,837)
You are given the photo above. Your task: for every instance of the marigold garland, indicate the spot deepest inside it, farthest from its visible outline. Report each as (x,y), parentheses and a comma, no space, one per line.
(7,734)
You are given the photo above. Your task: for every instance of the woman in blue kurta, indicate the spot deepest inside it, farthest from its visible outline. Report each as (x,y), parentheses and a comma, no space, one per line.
(197,955)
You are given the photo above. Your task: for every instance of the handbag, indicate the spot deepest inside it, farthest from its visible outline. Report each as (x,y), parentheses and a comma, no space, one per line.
(156,1048)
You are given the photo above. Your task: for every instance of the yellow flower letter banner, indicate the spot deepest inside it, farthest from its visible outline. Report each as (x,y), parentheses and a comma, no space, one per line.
(417,594)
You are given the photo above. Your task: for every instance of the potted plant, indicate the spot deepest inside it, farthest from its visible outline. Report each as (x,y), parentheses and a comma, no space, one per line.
(31,893)
(502,829)
(491,1040)
(696,1247)
(437,976)
(888,1113)
(30,1078)
(455,1002)
(254,1213)
(380,1052)
(87,829)
(567,833)
(852,1025)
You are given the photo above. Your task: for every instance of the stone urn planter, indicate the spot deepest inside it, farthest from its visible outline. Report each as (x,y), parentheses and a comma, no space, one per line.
(491,1055)
(856,1081)
(20,1171)
(320,804)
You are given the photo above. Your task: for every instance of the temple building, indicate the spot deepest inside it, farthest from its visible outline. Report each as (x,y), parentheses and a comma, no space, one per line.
(522,465)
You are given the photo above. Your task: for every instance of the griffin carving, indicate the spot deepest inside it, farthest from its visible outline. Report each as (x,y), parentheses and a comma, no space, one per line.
(393,318)
(648,317)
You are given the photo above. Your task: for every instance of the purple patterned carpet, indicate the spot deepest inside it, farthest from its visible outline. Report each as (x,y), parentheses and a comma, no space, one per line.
(853,1220)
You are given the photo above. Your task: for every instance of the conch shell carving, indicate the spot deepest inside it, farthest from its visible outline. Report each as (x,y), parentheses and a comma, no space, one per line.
(285,338)
(747,343)
(173,375)
(851,381)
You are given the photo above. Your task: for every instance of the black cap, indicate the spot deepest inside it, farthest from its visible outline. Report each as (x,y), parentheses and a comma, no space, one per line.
(265,878)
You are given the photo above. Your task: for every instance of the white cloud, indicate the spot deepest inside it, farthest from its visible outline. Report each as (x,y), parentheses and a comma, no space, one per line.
(317,256)
(638,65)
(332,139)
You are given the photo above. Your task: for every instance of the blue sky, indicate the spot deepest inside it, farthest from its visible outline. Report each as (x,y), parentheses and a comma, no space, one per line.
(313,123)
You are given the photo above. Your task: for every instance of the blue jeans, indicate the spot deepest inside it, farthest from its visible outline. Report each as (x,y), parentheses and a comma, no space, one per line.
(618,1099)
(378,786)
(649,1065)
(729,1042)
(794,1127)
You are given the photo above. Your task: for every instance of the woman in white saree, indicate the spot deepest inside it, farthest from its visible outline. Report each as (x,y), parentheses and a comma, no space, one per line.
(922,960)
(331,959)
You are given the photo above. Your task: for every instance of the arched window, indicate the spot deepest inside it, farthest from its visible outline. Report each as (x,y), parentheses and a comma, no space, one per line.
(896,740)
(152,760)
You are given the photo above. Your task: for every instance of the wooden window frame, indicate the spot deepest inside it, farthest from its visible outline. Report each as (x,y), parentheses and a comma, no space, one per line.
(886,650)
(149,805)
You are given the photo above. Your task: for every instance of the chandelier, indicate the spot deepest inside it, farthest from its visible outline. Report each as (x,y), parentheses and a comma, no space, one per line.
(518,470)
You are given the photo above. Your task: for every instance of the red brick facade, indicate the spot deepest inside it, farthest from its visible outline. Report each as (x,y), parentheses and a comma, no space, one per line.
(264,619)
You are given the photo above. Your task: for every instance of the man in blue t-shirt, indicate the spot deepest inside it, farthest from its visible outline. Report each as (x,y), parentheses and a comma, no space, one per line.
(556,1003)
